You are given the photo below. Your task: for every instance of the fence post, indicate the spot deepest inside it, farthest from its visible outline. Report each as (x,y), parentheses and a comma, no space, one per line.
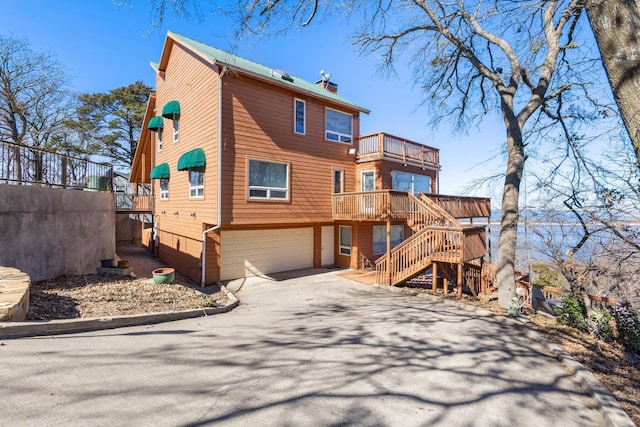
(17,165)
(64,172)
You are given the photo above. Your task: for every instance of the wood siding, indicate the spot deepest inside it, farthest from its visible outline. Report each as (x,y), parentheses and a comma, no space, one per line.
(194,84)
(384,170)
(258,123)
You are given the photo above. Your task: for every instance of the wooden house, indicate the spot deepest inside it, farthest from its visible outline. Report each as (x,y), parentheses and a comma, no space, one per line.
(256,171)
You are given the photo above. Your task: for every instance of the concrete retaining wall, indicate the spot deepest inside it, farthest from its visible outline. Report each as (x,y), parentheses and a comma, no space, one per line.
(49,232)
(129,229)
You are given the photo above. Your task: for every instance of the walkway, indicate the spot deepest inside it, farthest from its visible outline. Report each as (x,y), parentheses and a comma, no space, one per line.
(302,350)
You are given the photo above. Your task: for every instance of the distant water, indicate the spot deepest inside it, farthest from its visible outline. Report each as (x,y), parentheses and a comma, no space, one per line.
(533,242)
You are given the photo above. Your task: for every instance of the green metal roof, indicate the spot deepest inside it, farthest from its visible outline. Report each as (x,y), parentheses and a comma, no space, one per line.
(171,109)
(156,123)
(276,76)
(192,159)
(160,171)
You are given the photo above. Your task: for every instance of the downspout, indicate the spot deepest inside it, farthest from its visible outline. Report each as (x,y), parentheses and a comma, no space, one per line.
(219,189)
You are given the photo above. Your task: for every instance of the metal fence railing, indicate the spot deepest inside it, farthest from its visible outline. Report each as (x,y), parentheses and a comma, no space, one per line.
(21,164)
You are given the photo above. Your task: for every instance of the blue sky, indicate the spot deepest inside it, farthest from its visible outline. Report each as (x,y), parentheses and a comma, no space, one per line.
(104,46)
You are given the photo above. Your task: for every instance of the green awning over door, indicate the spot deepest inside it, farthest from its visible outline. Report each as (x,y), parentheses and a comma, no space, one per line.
(160,171)
(170,109)
(155,123)
(192,159)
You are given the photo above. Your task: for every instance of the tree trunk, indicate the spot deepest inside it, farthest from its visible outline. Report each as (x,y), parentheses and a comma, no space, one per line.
(509,222)
(615,25)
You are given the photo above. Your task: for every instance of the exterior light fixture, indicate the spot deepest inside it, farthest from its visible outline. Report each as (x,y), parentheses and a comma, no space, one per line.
(352,151)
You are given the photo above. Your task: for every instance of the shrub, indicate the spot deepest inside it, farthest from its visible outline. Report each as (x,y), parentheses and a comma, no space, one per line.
(628,326)
(602,325)
(572,312)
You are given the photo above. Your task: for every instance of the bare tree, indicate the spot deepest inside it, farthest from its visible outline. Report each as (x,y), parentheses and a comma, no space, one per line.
(34,103)
(591,220)
(33,98)
(520,59)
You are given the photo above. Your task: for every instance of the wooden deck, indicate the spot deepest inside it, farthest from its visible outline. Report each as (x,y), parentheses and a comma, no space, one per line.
(438,235)
(134,203)
(385,146)
(368,277)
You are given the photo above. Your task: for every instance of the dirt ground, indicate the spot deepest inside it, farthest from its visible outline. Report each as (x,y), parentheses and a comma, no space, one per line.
(95,295)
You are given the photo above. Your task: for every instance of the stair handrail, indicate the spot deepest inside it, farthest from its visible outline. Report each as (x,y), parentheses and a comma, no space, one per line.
(435,221)
(433,206)
(420,251)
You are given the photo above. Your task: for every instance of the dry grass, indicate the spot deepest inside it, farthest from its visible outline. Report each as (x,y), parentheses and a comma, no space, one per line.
(69,297)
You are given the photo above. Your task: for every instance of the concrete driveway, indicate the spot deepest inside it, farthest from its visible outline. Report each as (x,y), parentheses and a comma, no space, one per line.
(298,351)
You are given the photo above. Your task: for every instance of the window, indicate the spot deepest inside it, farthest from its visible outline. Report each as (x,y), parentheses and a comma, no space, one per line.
(268,180)
(164,188)
(159,132)
(300,114)
(176,129)
(345,240)
(380,238)
(196,183)
(338,181)
(338,126)
(368,181)
(412,183)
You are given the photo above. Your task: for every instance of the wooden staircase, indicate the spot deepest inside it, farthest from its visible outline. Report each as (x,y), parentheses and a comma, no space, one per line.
(437,237)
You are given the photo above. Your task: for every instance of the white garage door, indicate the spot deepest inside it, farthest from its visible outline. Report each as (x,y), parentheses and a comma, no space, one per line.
(255,252)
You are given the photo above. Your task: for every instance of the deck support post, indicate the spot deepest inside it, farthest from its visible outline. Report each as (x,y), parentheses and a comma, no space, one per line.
(483,283)
(445,281)
(434,278)
(460,267)
(388,251)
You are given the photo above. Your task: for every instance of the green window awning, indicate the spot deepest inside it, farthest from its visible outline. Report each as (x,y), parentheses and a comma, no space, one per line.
(156,123)
(192,159)
(171,109)
(160,171)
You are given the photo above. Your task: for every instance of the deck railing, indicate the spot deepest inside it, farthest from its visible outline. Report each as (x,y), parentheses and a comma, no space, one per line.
(383,145)
(20,164)
(362,206)
(475,242)
(382,204)
(413,255)
(462,207)
(438,236)
(134,203)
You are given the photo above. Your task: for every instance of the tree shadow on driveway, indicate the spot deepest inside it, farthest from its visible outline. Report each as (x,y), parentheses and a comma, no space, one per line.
(312,352)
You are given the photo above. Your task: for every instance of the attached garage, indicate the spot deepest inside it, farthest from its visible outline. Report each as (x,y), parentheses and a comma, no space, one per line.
(254,252)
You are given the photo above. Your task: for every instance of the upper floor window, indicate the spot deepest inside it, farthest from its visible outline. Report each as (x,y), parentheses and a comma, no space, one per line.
(338,126)
(410,182)
(368,180)
(338,181)
(164,188)
(159,132)
(268,180)
(196,183)
(176,129)
(300,116)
